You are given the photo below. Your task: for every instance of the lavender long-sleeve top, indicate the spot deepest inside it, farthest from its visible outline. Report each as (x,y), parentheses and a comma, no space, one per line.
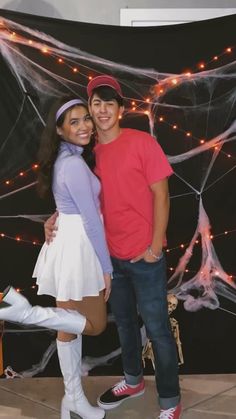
(76,191)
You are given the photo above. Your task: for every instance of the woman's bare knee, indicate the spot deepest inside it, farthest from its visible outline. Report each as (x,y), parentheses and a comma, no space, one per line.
(92,329)
(66,337)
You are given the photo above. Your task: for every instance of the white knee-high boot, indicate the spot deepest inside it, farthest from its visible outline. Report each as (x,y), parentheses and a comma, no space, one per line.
(16,308)
(74,400)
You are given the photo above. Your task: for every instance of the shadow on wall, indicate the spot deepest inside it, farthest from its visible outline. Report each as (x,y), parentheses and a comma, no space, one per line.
(40,8)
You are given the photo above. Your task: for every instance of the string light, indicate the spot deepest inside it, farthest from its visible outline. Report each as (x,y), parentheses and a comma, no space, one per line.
(216,273)
(160,90)
(230,277)
(19,239)
(168,250)
(45,50)
(182,245)
(173,81)
(21,174)
(189,134)
(134,109)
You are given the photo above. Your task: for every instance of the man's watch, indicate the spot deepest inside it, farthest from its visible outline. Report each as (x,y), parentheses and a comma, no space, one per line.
(153,254)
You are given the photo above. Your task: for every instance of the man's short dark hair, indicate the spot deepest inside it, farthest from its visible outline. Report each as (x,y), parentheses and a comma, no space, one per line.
(107,93)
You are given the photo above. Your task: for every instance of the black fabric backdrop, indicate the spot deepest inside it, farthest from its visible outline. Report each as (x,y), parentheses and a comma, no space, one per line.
(207,336)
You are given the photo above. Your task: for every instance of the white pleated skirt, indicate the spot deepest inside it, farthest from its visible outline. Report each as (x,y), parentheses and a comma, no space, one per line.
(68,268)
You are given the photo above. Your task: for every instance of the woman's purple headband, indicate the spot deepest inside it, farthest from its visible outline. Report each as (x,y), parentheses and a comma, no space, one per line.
(68,105)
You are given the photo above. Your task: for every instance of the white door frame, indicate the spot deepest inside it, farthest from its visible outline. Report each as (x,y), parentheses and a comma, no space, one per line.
(159,17)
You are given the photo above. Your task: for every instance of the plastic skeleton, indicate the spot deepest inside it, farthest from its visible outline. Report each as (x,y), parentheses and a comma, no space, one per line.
(147,349)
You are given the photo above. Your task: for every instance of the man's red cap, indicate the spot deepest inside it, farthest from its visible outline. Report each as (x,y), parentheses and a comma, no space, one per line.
(103,80)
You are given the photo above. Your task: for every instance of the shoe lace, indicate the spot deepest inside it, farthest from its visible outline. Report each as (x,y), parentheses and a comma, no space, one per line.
(167,413)
(121,386)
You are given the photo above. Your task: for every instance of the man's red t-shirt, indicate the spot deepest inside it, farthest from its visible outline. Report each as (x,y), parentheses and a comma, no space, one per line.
(127,166)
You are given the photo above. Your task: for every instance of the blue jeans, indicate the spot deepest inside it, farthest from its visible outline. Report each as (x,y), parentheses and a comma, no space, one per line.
(141,288)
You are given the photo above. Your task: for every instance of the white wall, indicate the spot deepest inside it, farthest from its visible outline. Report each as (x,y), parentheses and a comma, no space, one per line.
(102,11)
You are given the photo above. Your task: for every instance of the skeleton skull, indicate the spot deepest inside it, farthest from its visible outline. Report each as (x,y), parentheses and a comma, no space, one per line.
(172,302)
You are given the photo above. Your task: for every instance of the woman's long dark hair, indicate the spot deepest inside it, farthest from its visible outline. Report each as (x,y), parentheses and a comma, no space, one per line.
(49,147)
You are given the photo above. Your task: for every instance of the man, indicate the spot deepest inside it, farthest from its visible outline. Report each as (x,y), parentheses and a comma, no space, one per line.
(135,204)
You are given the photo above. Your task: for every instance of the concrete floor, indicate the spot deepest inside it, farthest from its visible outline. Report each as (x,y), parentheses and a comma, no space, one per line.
(203,397)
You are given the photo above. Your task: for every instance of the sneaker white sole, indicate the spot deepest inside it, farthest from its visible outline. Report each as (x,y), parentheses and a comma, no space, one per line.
(109,406)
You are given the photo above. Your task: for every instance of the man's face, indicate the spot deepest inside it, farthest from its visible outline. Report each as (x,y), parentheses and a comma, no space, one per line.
(105,114)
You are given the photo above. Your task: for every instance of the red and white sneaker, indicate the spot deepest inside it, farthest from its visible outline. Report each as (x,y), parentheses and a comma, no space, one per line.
(119,393)
(172,413)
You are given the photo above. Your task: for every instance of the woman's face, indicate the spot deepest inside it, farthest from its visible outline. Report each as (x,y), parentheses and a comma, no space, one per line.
(77,126)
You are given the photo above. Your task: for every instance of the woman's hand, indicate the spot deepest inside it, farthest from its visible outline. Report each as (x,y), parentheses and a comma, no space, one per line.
(107,291)
(50,228)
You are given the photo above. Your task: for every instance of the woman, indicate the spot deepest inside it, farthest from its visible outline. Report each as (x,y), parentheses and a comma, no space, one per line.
(75,268)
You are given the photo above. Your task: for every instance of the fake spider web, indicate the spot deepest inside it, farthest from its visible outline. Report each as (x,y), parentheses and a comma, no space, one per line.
(202,103)
(192,115)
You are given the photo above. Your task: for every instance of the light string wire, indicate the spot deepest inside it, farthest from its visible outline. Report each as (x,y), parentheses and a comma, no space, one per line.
(166,82)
